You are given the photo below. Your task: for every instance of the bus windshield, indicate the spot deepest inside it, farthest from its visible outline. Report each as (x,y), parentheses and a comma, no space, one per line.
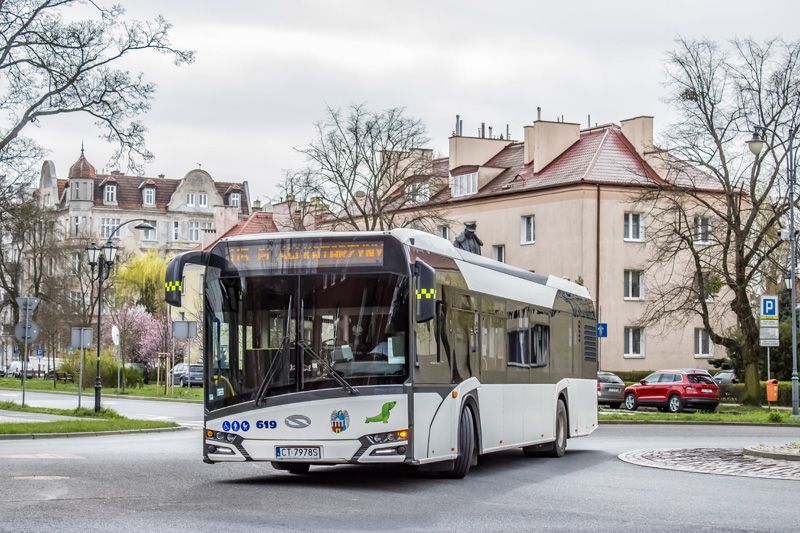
(291,333)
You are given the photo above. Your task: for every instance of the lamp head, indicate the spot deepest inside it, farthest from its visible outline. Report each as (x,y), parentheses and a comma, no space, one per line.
(93,253)
(109,252)
(756,143)
(144,226)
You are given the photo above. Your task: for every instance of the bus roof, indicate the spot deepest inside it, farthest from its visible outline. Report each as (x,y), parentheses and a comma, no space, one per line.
(422,240)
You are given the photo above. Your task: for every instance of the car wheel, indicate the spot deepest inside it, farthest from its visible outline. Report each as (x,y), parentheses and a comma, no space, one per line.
(630,402)
(674,404)
(466,445)
(614,405)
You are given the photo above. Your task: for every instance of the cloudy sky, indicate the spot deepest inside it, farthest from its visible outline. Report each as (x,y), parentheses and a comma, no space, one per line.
(266,70)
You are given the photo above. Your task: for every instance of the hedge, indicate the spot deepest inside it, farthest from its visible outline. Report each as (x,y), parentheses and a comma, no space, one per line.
(734,393)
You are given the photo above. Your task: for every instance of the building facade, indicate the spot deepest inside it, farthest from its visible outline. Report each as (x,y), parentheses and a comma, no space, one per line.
(563,201)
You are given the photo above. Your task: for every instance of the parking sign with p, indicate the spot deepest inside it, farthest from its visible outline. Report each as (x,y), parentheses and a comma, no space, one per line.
(769,307)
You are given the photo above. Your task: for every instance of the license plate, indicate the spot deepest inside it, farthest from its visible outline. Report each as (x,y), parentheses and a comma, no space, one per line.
(613,390)
(706,390)
(298,452)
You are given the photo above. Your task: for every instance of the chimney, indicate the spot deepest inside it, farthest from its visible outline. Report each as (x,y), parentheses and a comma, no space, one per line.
(483,130)
(538,113)
(545,140)
(161,176)
(639,132)
(256,205)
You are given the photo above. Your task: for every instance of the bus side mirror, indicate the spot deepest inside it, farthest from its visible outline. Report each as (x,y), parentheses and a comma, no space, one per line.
(425,291)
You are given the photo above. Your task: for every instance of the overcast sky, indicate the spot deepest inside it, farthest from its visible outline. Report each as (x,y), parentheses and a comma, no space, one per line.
(266,70)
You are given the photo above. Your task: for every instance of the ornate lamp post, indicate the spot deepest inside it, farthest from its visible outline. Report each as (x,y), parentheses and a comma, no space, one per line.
(104,259)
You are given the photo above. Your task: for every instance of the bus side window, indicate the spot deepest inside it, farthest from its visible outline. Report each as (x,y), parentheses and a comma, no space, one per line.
(432,365)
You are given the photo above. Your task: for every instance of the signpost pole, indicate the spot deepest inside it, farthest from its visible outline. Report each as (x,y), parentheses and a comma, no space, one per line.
(25,359)
(80,372)
(768,376)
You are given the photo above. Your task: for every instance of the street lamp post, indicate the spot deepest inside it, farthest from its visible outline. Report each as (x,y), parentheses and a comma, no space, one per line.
(756,144)
(104,259)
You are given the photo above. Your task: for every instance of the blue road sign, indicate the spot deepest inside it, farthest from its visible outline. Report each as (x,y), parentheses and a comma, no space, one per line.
(769,307)
(39,351)
(602,329)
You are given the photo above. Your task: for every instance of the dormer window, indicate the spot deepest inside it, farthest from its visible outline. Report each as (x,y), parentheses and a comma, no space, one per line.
(110,196)
(202,199)
(464,184)
(190,199)
(235,199)
(419,192)
(149,196)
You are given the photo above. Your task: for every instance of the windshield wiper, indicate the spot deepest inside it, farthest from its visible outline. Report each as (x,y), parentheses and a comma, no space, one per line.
(272,371)
(329,370)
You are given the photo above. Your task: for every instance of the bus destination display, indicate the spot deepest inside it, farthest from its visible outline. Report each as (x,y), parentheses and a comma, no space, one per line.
(280,255)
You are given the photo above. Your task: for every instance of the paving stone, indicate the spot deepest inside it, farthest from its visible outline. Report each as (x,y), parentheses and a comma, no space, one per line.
(721,461)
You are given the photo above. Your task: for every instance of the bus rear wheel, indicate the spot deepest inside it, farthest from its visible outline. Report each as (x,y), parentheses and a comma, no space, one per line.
(558,447)
(466,445)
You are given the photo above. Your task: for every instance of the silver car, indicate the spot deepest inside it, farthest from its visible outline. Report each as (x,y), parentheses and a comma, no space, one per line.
(610,389)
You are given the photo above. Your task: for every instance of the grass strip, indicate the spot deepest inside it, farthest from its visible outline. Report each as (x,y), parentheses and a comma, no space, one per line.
(725,414)
(81,426)
(105,420)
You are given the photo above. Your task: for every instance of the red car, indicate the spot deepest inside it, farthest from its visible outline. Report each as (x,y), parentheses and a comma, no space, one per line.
(674,390)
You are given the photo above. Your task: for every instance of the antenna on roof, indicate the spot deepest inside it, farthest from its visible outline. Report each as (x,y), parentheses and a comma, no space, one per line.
(508,135)
(490,132)
(81,146)
(538,113)
(589,120)
(199,165)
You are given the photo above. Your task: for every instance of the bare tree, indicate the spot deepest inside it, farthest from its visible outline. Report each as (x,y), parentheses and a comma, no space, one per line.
(53,66)
(365,170)
(714,219)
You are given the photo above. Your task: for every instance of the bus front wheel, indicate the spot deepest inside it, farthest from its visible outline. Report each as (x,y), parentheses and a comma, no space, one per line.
(558,447)
(466,445)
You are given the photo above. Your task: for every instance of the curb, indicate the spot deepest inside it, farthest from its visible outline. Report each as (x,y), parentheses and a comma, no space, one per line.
(120,396)
(755,451)
(22,436)
(695,423)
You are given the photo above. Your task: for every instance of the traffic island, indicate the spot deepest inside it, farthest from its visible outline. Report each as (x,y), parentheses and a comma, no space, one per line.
(18,421)
(783,452)
(719,461)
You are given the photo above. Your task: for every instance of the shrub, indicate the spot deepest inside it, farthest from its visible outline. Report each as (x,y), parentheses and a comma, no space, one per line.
(108,370)
(633,376)
(734,393)
(775,416)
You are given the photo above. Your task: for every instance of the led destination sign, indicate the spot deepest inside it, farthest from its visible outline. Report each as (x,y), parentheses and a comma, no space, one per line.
(280,255)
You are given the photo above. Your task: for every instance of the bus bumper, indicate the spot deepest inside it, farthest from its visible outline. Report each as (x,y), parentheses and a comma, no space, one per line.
(360,451)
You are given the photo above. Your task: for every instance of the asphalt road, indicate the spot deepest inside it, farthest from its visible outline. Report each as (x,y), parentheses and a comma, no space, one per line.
(155,482)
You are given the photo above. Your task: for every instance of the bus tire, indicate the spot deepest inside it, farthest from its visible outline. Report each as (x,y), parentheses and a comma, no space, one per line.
(466,445)
(559,446)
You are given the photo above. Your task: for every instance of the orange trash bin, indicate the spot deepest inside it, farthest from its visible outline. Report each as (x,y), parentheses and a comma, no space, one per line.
(772,390)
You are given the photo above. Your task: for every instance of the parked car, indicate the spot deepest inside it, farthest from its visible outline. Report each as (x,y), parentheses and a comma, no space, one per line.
(673,391)
(187,375)
(726,377)
(610,389)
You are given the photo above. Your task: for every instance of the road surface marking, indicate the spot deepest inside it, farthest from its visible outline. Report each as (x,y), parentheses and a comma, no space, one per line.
(41,456)
(41,478)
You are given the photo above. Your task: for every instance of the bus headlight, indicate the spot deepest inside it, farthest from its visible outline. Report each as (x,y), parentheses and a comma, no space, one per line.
(391,436)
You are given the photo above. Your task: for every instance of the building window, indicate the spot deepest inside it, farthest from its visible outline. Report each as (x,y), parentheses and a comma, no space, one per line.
(76,298)
(203,199)
(176,230)
(110,194)
(527,230)
(76,190)
(420,192)
(76,262)
(703,347)
(540,345)
(634,284)
(207,226)
(499,253)
(107,227)
(190,199)
(149,197)
(150,234)
(444,232)
(702,230)
(235,199)
(194,231)
(633,227)
(76,226)
(464,184)
(634,342)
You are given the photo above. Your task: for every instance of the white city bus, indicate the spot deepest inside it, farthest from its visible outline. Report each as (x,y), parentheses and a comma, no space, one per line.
(386,347)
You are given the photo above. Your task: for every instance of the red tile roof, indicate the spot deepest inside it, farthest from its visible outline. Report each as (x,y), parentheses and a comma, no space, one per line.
(601,155)
(258,222)
(82,168)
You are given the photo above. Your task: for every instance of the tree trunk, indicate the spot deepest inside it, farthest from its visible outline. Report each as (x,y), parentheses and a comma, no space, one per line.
(752,386)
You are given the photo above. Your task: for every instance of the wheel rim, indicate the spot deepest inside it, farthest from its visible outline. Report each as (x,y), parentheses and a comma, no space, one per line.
(674,403)
(629,401)
(561,433)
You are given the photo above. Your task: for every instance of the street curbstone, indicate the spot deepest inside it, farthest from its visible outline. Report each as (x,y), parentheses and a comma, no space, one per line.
(36,436)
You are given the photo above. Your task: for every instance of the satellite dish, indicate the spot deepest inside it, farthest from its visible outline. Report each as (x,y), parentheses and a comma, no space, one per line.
(115,335)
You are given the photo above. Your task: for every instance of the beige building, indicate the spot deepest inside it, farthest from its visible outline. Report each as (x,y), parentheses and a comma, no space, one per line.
(560,202)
